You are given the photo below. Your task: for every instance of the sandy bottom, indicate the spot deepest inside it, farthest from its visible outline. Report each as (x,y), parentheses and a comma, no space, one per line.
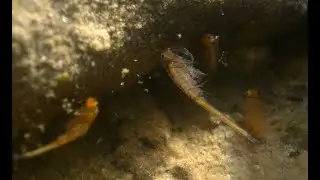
(161,135)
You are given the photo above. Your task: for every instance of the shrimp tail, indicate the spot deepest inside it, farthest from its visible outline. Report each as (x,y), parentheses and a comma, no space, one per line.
(36,152)
(226,120)
(61,140)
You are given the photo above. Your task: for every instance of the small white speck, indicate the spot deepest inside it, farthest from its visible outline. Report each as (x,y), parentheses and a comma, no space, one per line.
(50,94)
(68,105)
(26,135)
(112,28)
(93,64)
(100,139)
(43,59)
(146,90)
(114,5)
(64,19)
(112,91)
(53,83)
(222,61)
(69,111)
(75,69)
(135,60)
(140,82)
(124,72)
(215,120)
(150,77)
(138,75)
(222,13)
(122,83)
(179,35)
(58,64)
(138,25)
(41,127)
(258,168)
(34,86)
(38,111)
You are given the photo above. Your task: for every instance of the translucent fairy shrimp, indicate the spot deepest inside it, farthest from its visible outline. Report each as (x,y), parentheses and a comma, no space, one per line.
(179,65)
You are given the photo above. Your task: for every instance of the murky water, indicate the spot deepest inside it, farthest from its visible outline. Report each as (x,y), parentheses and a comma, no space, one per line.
(152,130)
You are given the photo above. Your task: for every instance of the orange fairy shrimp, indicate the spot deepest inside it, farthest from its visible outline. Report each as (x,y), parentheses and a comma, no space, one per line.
(211,52)
(77,127)
(185,76)
(253,115)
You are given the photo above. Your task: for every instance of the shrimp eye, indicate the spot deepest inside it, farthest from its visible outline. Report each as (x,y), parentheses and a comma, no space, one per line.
(162,59)
(161,56)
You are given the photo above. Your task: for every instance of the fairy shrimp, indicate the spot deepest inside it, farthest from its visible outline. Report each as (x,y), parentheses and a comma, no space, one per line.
(253,115)
(186,77)
(210,59)
(75,128)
